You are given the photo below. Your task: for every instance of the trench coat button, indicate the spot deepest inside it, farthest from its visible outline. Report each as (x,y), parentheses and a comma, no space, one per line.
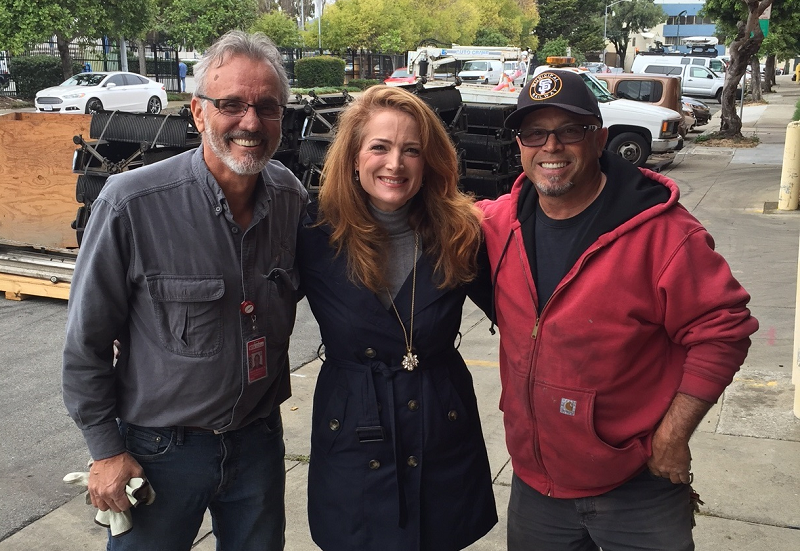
(370,353)
(334,424)
(452,415)
(412,461)
(374,464)
(413,405)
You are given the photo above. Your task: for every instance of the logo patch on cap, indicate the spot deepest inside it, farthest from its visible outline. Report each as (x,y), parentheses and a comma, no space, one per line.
(545,86)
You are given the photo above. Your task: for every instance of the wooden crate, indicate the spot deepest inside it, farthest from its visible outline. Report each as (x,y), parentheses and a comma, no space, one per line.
(37,186)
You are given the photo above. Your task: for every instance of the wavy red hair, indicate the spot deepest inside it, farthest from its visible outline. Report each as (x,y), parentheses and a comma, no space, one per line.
(446,219)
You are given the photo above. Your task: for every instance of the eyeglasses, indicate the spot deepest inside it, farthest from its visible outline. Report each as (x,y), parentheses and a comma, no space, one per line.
(236,108)
(570,133)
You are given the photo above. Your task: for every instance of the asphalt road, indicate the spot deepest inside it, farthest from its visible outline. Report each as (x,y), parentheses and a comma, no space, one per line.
(40,442)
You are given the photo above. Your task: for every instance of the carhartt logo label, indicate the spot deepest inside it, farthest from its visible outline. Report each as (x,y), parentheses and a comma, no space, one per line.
(545,86)
(568,406)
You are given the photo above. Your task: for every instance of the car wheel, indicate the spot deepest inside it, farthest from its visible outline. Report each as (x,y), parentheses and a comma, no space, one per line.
(631,147)
(718,96)
(486,80)
(154,105)
(94,105)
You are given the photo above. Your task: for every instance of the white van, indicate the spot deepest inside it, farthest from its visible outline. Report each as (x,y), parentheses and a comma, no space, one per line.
(484,71)
(716,64)
(695,79)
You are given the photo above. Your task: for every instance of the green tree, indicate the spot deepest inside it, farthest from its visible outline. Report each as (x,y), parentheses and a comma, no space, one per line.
(783,40)
(741,15)
(630,18)
(198,23)
(370,24)
(515,19)
(448,22)
(490,37)
(279,27)
(27,22)
(292,8)
(579,21)
(555,47)
(399,25)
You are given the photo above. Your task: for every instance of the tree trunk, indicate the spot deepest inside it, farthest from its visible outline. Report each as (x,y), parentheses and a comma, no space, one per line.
(769,73)
(142,47)
(755,79)
(746,44)
(63,51)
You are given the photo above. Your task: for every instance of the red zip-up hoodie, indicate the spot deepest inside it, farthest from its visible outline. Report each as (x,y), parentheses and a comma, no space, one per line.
(647,310)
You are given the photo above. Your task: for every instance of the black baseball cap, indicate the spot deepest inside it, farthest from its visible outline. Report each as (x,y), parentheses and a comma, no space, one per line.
(554,88)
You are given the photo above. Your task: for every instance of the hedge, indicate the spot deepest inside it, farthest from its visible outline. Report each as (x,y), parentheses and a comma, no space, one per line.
(35,73)
(363,83)
(314,72)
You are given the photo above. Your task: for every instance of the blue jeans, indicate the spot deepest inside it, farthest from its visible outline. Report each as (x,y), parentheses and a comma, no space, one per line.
(239,476)
(647,512)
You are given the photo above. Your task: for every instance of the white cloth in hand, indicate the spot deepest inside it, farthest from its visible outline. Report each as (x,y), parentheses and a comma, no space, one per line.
(138,491)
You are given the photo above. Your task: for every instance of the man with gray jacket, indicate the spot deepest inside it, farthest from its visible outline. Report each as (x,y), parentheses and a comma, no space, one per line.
(189,263)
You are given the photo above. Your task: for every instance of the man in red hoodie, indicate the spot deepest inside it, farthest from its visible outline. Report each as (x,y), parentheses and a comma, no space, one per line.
(620,327)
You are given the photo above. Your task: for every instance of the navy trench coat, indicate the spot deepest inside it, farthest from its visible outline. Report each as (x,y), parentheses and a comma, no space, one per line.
(398,460)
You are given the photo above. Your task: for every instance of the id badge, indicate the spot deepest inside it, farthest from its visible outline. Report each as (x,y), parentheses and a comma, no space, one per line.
(256,359)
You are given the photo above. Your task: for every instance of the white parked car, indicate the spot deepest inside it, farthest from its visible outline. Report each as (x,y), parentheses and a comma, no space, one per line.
(99,91)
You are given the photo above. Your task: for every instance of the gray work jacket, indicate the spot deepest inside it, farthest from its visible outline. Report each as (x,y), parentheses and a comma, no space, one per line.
(164,268)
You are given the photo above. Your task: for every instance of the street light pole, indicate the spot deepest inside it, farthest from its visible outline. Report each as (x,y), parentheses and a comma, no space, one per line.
(605,26)
(318,5)
(678,37)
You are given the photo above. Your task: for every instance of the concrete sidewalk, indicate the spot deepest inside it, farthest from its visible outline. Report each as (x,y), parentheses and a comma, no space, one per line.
(746,454)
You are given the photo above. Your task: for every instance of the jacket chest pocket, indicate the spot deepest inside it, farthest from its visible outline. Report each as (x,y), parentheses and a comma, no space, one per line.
(188,313)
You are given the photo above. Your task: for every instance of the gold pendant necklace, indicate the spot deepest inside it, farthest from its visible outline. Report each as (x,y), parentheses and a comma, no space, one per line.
(410,360)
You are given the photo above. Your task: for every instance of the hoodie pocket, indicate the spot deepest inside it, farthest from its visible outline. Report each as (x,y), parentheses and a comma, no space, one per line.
(573,455)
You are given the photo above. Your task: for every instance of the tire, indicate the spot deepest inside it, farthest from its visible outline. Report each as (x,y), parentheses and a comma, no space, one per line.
(631,147)
(154,105)
(94,105)
(718,96)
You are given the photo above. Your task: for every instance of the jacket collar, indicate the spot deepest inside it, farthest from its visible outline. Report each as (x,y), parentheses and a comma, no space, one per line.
(426,291)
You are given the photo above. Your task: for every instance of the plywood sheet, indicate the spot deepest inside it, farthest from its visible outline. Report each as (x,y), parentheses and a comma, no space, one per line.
(37,186)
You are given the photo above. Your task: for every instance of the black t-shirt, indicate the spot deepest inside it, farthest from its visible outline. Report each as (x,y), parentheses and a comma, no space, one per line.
(627,193)
(555,246)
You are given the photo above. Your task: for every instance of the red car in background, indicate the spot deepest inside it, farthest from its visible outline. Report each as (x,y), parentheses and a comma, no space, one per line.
(400,76)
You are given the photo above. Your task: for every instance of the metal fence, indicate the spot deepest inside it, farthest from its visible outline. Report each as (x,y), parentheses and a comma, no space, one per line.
(162,62)
(102,55)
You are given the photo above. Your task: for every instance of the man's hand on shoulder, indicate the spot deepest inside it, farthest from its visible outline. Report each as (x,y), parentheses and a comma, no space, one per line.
(107,480)
(671,457)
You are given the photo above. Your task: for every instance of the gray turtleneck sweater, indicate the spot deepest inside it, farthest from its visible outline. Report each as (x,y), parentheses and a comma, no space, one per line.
(401,248)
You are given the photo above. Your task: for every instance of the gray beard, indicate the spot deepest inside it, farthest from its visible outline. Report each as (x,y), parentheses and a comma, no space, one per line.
(251,164)
(553,188)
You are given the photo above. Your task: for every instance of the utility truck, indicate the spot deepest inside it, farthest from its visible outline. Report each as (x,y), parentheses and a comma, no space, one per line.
(423,62)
